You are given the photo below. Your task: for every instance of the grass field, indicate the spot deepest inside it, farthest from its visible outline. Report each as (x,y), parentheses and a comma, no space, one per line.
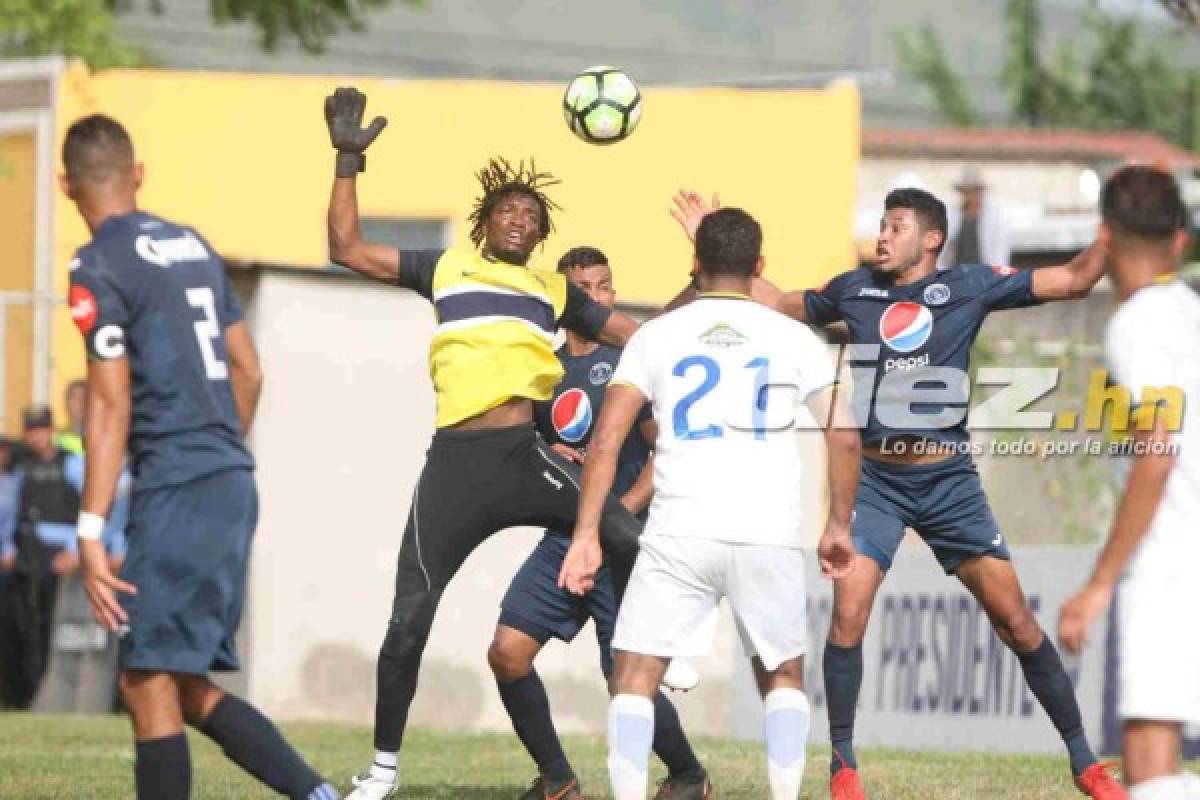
(91,757)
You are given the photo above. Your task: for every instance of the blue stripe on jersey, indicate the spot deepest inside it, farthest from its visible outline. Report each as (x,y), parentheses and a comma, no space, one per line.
(467,305)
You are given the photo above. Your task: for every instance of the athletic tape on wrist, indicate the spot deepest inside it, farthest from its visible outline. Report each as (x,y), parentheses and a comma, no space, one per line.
(350,164)
(89,526)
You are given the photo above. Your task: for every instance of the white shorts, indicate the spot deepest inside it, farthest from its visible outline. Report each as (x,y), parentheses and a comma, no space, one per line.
(670,607)
(1159,649)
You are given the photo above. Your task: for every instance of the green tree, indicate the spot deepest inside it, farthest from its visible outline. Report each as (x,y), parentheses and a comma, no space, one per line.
(1025,76)
(80,28)
(86,29)
(922,55)
(1114,76)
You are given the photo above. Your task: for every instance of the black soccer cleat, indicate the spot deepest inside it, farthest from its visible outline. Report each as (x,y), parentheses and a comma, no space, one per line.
(675,789)
(544,788)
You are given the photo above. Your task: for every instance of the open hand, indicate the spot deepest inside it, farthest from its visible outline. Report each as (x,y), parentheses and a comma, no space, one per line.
(102,586)
(343,116)
(690,208)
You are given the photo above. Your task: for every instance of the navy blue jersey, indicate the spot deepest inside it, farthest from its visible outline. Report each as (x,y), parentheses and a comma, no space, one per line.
(918,329)
(569,416)
(154,292)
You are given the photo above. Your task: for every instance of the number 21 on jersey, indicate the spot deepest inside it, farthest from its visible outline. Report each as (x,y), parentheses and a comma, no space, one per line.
(710,377)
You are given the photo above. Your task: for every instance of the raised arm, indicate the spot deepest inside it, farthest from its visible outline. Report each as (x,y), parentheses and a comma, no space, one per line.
(1073,279)
(690,208)
(245,373)
(343,116)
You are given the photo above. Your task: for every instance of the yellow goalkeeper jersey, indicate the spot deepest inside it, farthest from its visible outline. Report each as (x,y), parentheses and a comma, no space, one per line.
(496,324)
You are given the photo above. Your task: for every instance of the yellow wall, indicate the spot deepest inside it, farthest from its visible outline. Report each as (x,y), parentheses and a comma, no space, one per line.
(246,159)
(18,162)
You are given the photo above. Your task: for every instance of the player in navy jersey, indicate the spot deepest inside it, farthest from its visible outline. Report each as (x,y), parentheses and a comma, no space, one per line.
(172,376)
(912,327)
(535,609)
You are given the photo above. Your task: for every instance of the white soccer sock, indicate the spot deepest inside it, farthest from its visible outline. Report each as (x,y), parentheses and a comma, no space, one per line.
(1169,787)
(785,728)
(383,768)
(630,734)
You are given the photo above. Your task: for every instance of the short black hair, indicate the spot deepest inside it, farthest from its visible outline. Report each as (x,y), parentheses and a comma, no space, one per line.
(929,211)
(498,179)
(728,242)
(1144,202)
(583,256)
(96,148)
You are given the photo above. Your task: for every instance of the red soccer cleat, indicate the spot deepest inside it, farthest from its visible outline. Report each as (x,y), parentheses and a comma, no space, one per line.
(845,785)
(1098,782)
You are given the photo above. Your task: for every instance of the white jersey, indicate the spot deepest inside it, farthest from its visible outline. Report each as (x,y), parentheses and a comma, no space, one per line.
(726,377)
(1153,341)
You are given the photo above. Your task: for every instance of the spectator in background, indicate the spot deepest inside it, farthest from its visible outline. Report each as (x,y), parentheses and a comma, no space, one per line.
(44,540)
(8,551)
(70,438)
(978,229)
(8,509)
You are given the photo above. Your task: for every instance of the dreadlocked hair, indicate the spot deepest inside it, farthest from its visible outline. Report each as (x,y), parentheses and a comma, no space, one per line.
(500,178)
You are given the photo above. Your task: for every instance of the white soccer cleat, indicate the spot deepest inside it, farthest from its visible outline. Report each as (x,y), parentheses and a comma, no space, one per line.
(369,787)
(680,676)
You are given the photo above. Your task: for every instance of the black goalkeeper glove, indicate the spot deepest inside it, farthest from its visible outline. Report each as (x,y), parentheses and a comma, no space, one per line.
(344,114)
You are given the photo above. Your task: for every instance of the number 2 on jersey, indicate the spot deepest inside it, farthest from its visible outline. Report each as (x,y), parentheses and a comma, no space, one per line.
(712,376)
(207,331)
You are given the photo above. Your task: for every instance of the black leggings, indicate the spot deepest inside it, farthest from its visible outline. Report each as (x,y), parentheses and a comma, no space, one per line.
(475,483)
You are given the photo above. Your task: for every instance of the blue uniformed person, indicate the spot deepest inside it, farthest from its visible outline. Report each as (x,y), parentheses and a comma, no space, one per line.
(535,609)
(906,317)
(172,377)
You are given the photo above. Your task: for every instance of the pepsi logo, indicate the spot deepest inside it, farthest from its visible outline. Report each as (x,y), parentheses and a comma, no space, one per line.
(1002,271)
(572,415)
(905,326)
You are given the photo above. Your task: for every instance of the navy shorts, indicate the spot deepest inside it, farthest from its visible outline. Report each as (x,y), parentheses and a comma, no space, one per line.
(189,548)
(536,606)
(943,502)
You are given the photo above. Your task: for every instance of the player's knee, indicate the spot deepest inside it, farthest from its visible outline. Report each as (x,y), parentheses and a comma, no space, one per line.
(849,623)
(1019,629)
(408,628)
(507,664)
(198,697)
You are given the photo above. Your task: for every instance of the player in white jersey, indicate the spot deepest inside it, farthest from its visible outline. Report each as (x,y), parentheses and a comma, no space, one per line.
(728,379)
(1153,549)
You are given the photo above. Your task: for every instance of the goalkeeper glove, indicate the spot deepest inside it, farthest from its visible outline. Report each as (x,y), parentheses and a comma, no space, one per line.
(343,115)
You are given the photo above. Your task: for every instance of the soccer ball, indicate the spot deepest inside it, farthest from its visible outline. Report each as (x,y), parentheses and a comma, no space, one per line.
(602,105)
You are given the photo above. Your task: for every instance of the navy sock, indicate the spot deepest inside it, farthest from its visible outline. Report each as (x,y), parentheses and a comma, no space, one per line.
(671,743)
(529,709)
(1051,685)
(251,741)
(843,668)
(163,769)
